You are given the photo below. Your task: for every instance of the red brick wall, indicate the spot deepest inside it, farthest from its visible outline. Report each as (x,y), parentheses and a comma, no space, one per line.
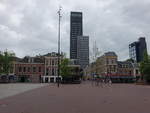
(34,76)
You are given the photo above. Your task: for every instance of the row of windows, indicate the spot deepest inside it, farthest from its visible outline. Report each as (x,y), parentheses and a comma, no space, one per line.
(124,66)
(111,61)
(76,23)
(132,54)
(76,31)
(51,62)
(30,69)
(132,48)
(76,27)
(52,71)
(125,72)
(111,70)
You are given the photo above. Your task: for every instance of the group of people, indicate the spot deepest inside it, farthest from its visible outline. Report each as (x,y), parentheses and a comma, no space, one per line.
(101,81)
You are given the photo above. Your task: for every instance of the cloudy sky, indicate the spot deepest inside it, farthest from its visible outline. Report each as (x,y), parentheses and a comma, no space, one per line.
(30,27)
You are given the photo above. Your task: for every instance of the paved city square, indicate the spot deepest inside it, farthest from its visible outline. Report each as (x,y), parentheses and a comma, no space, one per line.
(79,98)
(7,90)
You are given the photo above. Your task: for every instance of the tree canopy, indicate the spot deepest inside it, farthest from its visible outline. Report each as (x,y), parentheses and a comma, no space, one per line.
(64,67)
(130,60)
(145,67)
(6,59)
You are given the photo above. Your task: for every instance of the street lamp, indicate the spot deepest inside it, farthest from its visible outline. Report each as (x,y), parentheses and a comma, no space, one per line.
(59,17)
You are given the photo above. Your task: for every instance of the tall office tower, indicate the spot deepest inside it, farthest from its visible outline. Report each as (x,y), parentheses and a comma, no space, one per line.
(75,30)
(83,51)
(137,49)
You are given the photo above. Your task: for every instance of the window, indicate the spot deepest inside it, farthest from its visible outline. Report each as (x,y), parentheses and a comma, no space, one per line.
(52,62)
(20,69)
(46,62)
(34,69)
(56,71)
(107,62)
(120,66)
(39,69)
(55,62)
(112,61)
(46,71)
(24,69)
(28,69)
(114,68)
(137,72)
(130,72)
(53,71)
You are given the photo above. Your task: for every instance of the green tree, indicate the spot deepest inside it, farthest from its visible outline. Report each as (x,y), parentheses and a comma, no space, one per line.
(1,63)
(6,59)
(64,67)
(130,60)
(145,67)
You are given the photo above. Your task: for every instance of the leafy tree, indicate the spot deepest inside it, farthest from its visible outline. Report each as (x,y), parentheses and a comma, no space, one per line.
(1,63)
(64,67)
(130,60)
(145,67)
(6,59)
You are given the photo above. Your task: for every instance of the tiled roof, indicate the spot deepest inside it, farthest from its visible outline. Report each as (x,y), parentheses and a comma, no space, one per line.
(110,54)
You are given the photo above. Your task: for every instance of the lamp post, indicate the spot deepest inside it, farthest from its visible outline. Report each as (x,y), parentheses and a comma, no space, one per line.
(59,16)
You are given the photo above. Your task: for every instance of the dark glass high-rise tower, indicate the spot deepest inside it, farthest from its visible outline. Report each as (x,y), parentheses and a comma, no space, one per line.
(137,49)
(75,31)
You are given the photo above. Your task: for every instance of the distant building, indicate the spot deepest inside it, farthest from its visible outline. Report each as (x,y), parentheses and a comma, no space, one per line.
(83,51)
(125,68)
(38,69)
(75,30)
(108,65)
(29,69)
(136,49)
(105,64)
(51,67)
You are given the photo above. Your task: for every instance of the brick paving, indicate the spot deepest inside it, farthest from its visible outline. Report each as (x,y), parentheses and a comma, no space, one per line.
(11,89)
(80,98)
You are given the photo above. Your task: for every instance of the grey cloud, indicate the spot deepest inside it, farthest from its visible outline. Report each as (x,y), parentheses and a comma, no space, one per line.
(31,26)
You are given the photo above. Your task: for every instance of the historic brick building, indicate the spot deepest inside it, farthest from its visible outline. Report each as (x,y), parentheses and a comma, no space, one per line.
(118,71)
(106,64)
(125,68)
(30,69)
